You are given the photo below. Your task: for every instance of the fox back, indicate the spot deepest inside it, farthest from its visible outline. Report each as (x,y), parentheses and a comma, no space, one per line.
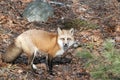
(37,40)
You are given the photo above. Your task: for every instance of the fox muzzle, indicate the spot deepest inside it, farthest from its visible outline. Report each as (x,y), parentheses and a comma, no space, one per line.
(65,46)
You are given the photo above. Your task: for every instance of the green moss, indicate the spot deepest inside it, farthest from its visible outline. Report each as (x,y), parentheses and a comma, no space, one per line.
(84,54)
(81,24)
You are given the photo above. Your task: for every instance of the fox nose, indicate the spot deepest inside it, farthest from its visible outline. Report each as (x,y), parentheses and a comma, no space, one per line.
(65,45)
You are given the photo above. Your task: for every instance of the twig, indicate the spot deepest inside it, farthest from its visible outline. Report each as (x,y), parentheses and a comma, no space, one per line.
(74,46)
(58,3)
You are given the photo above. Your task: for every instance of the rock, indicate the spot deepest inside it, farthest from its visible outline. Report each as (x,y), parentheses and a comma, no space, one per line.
(38,11)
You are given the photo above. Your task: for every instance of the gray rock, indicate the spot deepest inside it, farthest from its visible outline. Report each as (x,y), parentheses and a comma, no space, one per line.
(38,11)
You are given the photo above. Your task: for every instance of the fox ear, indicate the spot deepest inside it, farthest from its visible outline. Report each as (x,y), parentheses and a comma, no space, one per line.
(71,31)
(59,31)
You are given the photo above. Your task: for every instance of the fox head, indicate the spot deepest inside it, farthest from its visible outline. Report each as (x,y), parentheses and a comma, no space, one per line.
(65,38)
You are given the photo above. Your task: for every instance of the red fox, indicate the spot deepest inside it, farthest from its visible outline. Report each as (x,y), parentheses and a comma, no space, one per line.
(33,41)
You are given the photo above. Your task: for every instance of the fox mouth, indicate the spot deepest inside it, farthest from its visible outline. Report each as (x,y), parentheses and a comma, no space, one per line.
(65,47)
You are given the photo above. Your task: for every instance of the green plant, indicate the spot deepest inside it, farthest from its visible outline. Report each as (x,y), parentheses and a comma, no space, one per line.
(107,65)
(77,23)
(84,54)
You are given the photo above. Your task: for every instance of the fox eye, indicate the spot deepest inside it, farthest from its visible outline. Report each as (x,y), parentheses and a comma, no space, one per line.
(68,39)
(62,38)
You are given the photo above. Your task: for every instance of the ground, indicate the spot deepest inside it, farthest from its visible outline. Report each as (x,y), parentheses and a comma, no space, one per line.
(93,21)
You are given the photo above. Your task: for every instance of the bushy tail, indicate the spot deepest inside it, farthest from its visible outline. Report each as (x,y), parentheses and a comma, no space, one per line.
(12,53)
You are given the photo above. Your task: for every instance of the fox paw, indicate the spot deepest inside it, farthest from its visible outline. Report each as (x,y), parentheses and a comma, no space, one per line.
(38,71)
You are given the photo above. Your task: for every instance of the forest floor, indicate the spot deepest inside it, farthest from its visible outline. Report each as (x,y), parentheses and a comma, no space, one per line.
(93,21)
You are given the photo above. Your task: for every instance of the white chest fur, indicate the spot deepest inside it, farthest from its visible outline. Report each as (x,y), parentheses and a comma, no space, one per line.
(59,52)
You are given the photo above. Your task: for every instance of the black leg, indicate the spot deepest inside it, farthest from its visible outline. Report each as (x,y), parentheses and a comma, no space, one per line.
(50,64)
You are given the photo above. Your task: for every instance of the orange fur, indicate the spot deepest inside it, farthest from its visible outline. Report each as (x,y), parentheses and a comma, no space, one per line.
(40,40)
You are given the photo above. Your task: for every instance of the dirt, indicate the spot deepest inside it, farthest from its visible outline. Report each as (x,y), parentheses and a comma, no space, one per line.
(100,12)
